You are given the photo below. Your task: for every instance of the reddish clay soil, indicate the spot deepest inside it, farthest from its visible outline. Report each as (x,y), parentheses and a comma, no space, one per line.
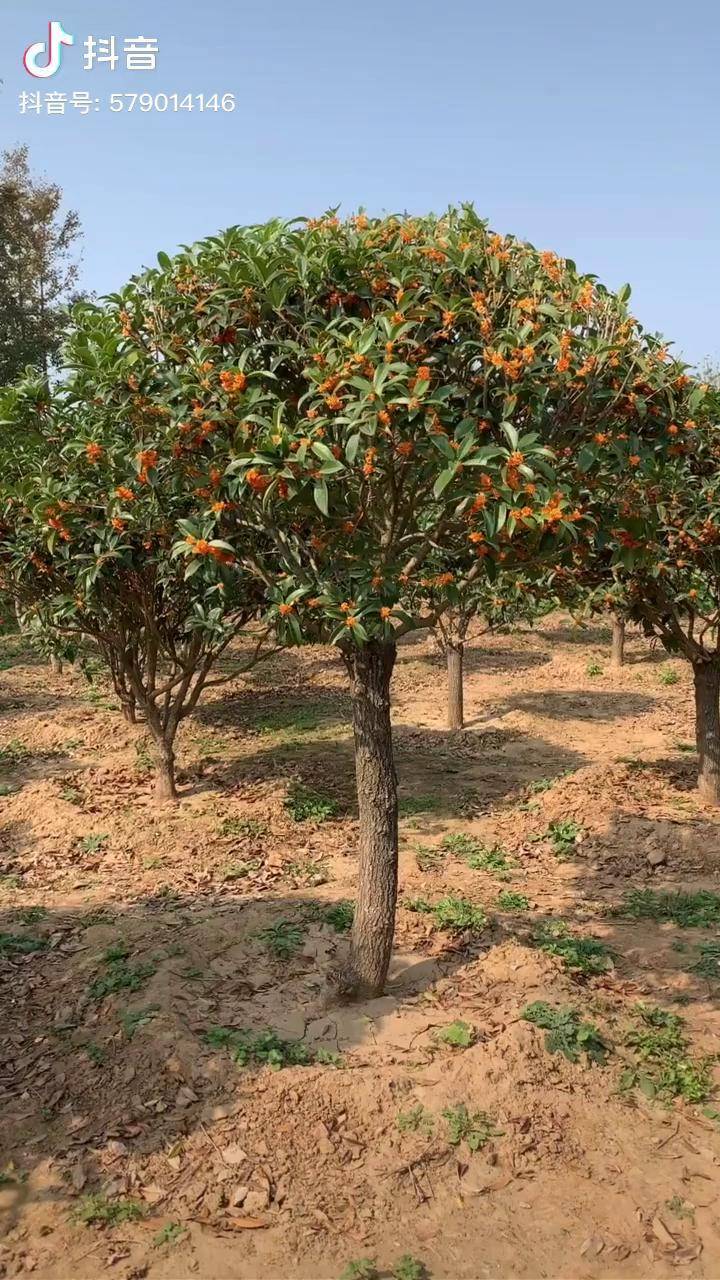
(255,1174)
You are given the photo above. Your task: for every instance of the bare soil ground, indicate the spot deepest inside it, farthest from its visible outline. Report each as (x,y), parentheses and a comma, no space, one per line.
(157,929)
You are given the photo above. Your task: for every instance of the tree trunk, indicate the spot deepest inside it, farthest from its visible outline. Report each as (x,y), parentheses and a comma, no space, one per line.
(617,653)
(374,925)
(707,729)
(455,717)
(128,710)
(56,665)
(165,789)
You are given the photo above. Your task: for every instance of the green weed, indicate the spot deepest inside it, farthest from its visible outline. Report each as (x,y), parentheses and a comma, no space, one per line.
(593,669)
(72,795)
(429,858)
(243,827)
(261,1048)
(120,976)
(578,954)
(474,1129)
(478,856)
(170,1234)
(99,1211)
(283,938)
(311,873)
(31,915)
(361,1269)
(13,753)
(339,915)
(565,1033)
(452,913)
(509,900)
(708,963)
(416,1120)
(242,869)
(664,1068)
(329,1058)
(91,843)
(668,675)
(410,806)
(680,1208)
(133,1020)
(18,944)
(458,1035)
(305,805)
(697,910)
(409,1268)
(563,836)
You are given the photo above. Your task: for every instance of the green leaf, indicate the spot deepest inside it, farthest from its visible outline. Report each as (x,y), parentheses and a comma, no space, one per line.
(320,494)
(443,481)
(164,261)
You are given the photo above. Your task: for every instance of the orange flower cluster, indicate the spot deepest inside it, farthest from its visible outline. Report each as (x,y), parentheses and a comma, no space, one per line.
(257,481)
(369,461)
(551,264)
(94,452)
(233,383)
(126,494)
(563,363)
(200,547)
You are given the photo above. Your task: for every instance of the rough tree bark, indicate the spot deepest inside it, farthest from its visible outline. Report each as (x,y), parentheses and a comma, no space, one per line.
(370,670)
(707,729)
(455,713)
(165,789)
(56,665)
(617,653)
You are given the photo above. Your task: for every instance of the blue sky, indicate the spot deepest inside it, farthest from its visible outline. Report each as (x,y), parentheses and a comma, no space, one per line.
(591,130)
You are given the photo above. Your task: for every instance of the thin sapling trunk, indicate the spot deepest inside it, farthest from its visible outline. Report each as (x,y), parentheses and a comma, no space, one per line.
(455,715)
(617,652)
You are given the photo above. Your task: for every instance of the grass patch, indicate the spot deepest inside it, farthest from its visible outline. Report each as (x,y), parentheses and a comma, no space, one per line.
(258,1048)
(566,1033)
(119,975)
(664,1068)
(305,805)
(509,900)
(361,1269)
(290,720)
(311,873)
(454,914)
(578,954)
(409,1268)
(593,669)
(475,1128)
(697,910)
(668,675)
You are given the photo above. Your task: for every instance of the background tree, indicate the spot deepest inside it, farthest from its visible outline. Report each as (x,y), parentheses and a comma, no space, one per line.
(38,267)
(376,393)
(91,502)
(651,485)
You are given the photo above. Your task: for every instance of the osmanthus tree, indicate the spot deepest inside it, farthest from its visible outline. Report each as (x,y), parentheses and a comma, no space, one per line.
(90,503)
(375,395)
(656,558)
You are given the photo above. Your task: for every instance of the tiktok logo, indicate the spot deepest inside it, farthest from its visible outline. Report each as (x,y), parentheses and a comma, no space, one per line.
(52,52)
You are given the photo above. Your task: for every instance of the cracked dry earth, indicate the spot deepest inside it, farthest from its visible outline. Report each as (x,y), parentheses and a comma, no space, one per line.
(156,942)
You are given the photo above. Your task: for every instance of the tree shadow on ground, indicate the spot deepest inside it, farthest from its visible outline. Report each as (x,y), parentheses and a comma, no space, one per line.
(448,772)
(580,704)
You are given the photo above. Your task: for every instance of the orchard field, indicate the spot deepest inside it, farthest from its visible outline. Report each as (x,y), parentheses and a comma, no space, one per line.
(184,1093)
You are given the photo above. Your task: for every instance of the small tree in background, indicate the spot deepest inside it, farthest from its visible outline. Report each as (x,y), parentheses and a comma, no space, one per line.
(376,395)
(652,485)
(90,510)
(488,604)
(38,267)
